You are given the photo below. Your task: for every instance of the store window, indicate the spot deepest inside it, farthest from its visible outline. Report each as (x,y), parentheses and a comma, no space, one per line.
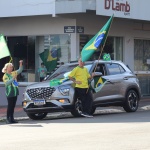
(142,64)
(21,48)
(53,50)
(113,46)
(141,55)
(56,51)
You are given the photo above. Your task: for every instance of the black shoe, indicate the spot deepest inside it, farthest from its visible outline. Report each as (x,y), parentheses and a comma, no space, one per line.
(8,121)
(14,121)
(86,115)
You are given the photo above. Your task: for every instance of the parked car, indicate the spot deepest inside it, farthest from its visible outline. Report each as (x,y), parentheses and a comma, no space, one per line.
(121,89)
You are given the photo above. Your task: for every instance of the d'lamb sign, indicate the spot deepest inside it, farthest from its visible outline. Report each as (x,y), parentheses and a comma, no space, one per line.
(133,9)
(117,6)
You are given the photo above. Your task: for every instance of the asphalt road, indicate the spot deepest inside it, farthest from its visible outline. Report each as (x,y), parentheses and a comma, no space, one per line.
(109,129)
(21,115)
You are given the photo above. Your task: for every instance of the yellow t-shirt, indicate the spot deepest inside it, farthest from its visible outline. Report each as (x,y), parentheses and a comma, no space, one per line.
(80,74)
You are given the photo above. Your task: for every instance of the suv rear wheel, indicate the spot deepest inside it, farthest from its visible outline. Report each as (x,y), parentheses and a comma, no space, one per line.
(132,101)
(37,116)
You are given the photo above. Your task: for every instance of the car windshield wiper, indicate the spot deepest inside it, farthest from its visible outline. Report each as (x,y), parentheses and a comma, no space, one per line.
(57,74)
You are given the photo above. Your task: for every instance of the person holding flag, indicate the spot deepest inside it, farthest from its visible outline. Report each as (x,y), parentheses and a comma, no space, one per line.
(9,78)
(79,75)
(97,41)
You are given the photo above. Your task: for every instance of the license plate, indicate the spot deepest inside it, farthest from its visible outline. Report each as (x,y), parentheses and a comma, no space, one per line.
(39,102)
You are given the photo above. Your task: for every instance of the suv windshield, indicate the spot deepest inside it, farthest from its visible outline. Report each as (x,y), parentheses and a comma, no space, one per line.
(63,71)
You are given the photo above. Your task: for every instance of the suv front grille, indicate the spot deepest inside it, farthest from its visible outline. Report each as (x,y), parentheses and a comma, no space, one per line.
(40,93)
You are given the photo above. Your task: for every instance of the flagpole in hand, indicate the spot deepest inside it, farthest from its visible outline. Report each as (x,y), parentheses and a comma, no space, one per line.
(98,40)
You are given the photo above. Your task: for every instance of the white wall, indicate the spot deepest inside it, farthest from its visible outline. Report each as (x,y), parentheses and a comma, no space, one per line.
(26,8)
(74,6)
(37,25)
(47,7)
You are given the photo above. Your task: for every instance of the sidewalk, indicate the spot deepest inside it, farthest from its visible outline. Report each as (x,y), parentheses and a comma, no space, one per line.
(19,113)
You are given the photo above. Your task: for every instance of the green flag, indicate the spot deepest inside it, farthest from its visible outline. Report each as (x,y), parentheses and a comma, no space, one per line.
(4,51)
(49,58)
(96,41)
(106,57)
(56,82)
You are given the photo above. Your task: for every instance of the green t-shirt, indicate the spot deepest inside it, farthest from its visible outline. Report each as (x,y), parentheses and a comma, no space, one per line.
(42,71)
(11,88)
(80,74)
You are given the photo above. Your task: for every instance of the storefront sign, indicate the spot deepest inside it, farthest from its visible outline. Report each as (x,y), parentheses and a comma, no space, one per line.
(73,29)
(124,8)
(79,29)
(117,6)
(69,29)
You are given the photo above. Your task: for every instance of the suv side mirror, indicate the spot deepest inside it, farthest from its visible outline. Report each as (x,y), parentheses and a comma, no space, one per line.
(98,74)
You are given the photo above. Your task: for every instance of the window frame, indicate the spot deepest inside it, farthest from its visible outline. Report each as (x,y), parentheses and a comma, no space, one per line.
(119,71)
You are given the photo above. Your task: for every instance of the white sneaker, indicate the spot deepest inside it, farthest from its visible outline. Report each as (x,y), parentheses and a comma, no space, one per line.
(86,115)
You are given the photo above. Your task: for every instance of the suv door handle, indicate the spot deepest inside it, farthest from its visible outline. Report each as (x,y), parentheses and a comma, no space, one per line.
(125,78)
(110,81)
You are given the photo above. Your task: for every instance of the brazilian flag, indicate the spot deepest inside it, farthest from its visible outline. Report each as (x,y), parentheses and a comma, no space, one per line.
(49,58)
(56,82)
(96,41)
(99,82)
(106,57)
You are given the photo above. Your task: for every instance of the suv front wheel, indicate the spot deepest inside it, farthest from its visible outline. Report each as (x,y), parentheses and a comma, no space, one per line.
(77,110)
(37,116)
(132,101)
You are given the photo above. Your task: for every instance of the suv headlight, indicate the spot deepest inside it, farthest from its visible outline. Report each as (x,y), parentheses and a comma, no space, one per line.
(64,90)
(26,96)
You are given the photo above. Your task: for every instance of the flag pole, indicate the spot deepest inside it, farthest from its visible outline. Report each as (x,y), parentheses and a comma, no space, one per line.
(101,50)
(11,60)
(103,45)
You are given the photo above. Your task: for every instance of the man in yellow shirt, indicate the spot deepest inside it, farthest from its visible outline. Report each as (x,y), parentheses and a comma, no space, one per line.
(79,75)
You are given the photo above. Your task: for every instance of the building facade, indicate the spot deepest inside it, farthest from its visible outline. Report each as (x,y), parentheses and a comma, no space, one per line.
(63,27)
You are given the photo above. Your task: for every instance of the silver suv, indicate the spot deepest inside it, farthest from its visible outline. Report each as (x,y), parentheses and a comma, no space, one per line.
(120,89)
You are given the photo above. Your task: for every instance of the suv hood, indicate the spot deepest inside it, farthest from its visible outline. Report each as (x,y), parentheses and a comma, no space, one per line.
(45,84)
